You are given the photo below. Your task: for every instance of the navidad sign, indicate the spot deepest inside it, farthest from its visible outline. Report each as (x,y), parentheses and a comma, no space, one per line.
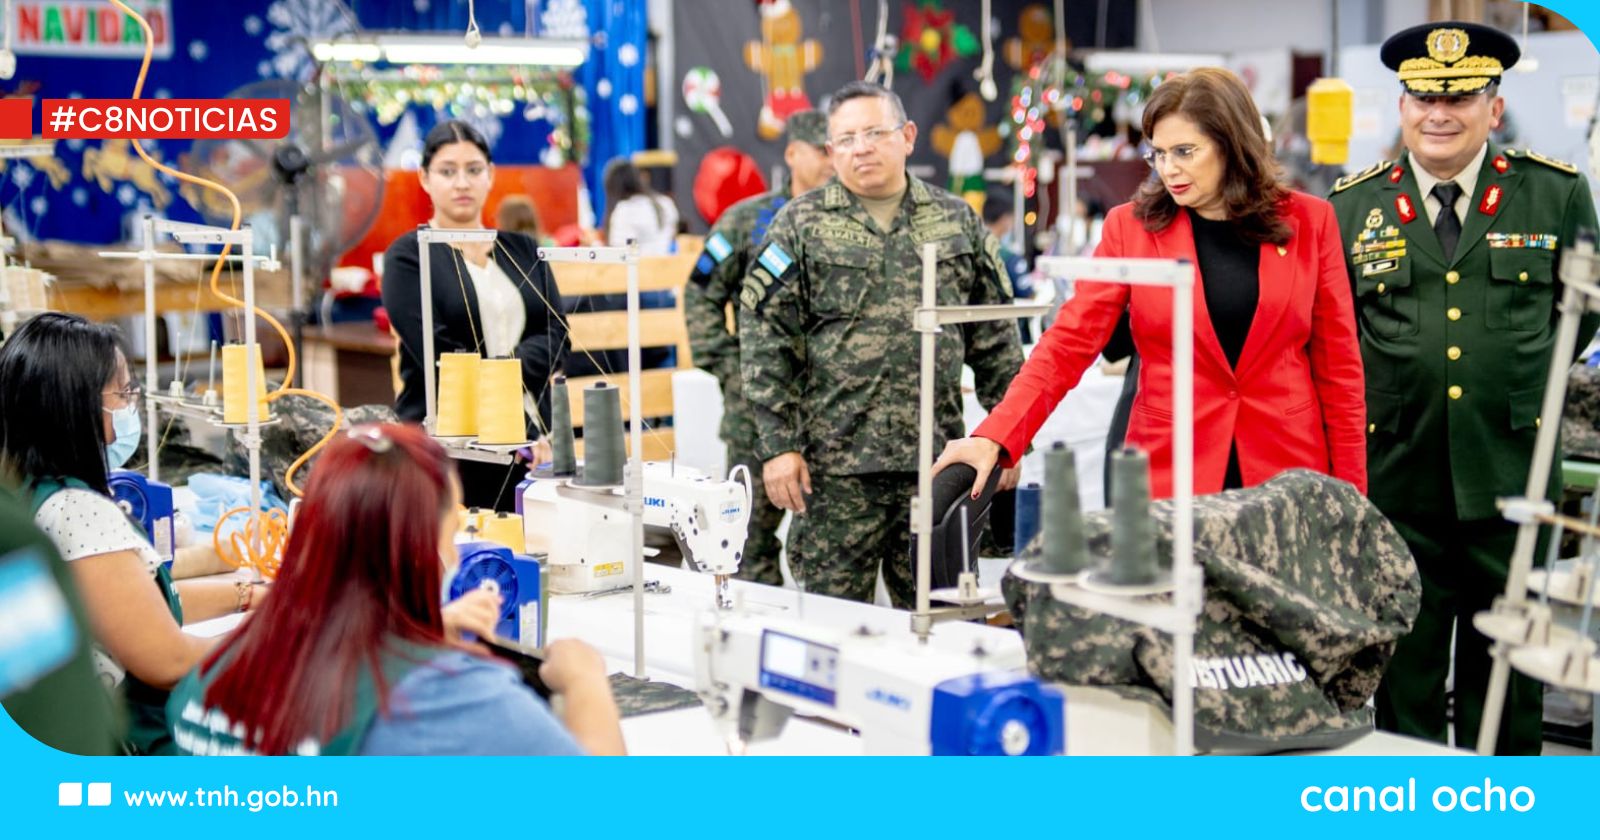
(88,29)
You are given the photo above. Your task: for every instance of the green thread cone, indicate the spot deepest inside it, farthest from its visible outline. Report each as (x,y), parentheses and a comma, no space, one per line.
(1065,550)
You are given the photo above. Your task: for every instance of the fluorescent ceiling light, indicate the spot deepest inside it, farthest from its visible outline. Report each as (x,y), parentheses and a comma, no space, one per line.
(1100,61)
(346,51)
(401,48)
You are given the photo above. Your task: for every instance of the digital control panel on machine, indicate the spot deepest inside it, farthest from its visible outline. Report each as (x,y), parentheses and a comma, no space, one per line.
(800,667)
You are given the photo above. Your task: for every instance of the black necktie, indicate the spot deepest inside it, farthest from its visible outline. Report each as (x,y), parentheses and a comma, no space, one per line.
(1448,225)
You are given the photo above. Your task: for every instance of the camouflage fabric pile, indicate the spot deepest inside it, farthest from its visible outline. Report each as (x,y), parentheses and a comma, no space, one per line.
(304,422)
(1308,588)
(179,457)
(1580,423)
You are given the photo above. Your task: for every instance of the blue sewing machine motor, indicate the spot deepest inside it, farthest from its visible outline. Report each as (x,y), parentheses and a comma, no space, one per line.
(148,503)
(514,576)
(997,714)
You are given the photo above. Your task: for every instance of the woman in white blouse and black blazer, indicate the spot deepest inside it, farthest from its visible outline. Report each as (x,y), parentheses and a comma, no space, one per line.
(496,298)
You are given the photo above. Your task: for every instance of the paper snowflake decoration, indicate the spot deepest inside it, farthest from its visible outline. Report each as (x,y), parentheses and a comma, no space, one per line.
(296,23)
(565,19)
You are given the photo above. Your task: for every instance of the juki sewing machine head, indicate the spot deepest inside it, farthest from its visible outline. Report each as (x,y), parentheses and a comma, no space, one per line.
(583,531)
(905,698)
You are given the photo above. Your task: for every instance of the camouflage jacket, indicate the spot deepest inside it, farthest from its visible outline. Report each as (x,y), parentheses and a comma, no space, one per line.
(827,350)
(1456,349)
(1307,590)
(715,284)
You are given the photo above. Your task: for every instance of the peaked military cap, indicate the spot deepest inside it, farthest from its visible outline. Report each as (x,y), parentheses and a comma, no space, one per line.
(1451,58)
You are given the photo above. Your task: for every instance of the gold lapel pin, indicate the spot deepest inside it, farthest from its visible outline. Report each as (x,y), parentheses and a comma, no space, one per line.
(1282,251)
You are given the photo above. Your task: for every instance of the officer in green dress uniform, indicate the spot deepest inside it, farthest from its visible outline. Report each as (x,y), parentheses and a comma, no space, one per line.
(1453,252)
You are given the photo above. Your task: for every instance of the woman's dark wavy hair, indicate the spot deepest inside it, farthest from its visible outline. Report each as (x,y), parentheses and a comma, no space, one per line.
(53,370)
(1253,188)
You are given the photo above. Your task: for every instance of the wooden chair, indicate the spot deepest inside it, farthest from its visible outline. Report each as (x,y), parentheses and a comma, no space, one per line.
(595,332)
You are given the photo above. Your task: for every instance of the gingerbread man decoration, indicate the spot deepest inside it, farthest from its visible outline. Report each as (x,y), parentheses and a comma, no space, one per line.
(966,141)
(783,59)
(1036,37)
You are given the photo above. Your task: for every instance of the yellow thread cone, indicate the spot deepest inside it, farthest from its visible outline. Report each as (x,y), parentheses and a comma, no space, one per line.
(500,419)
(505,529)
(458,395)
(235,408)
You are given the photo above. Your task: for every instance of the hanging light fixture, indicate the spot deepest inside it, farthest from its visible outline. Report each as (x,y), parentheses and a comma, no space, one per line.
(413,48)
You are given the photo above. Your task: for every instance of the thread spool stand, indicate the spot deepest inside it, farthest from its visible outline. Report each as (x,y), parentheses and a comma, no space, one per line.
(1521,629)
(633,477)
(1176,618)
(463,448)
(156,402)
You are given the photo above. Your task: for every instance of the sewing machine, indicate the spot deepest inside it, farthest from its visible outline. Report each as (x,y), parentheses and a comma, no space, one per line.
(904,697)
(583,531)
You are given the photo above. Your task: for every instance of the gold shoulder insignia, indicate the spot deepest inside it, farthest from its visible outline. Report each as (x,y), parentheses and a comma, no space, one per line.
(1551,162)
(1349,181)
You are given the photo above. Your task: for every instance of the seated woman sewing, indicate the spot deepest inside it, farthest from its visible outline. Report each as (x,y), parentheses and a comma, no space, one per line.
(68,414)
(353,654)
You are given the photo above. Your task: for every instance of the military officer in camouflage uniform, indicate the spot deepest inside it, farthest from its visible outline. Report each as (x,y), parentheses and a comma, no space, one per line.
(829,357)
(1453,251)
(714,285)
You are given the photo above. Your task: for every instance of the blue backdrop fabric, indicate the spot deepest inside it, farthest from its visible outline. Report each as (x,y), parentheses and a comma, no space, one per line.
(218,47)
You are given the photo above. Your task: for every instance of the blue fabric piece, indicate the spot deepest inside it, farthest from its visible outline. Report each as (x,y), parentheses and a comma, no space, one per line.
(216,494)
(459,704)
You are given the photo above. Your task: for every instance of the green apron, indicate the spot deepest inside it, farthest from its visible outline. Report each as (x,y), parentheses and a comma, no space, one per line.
(202,730)
(147,705)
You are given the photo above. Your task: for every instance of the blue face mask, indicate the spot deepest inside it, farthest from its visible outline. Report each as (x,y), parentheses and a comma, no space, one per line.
(125,424)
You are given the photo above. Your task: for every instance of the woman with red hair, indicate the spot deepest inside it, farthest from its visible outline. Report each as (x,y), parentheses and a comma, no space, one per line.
(353,653)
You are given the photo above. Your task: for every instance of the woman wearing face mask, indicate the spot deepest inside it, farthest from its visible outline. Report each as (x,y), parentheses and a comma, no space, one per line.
(69,413)
(353,655)
(1278,381)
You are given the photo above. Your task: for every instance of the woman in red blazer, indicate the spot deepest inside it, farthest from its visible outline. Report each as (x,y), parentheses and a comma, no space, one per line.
(1277,368)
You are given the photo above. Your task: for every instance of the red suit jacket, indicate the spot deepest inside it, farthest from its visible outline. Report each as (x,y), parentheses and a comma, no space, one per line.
(1297,399)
